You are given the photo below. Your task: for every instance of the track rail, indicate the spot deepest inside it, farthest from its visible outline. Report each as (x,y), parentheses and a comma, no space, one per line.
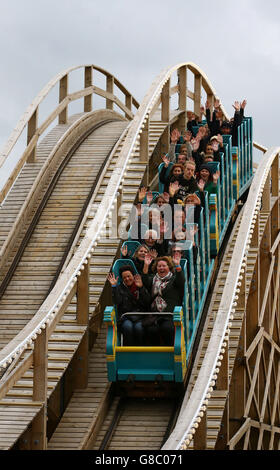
(30,118)
(264,190)
(147,135)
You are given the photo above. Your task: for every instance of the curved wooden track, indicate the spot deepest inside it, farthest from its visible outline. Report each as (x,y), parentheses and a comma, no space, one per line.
(54,391)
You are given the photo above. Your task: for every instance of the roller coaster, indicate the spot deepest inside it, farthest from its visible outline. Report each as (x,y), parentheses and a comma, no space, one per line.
(64,209)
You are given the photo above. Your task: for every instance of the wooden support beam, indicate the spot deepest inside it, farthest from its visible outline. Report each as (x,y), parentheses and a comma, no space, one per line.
(81,357)
(211,100)
(165,140)
(266,195)
(237,389)
(265,267)
(40,355)
(144,143)
(275,221)
(80,363)
(182,85)
(119,209)
(222,383)
(39,430)
(200,436)
(275,177)
(31,130)
(197,94)
(40,380)
(83,296)
(110,89)
(88,83)
(165,102)
(222,380)
(255,235)
(253,307)
(63,92)
(128,104)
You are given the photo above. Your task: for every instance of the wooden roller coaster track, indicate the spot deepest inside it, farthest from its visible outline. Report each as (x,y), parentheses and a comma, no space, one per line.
(54,392)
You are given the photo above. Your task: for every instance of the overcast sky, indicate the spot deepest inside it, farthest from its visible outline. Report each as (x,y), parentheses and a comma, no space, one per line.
(235,43)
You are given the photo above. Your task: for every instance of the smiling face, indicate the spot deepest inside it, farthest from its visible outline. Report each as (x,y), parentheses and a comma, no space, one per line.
(204,174)
(209,149)
(141,253)
(162,268)
(127,278)
(177,171)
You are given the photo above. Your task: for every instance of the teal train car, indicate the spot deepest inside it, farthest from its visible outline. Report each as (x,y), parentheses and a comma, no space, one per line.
(150,365)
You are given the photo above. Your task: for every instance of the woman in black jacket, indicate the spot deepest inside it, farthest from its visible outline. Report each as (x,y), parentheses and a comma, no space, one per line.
(166,288)
(130,296)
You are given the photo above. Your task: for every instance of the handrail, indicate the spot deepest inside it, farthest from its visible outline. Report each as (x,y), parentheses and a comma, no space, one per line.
(30,117)
(159,93)
(196,406)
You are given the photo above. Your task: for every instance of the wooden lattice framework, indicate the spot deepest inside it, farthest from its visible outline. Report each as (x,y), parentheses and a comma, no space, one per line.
(247,330)
(254,400)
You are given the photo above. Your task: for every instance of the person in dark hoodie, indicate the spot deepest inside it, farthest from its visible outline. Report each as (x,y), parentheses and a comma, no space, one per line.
(130,296)
(176,171)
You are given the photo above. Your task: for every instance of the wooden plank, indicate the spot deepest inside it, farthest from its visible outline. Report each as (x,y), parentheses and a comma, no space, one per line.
(63,92)
(88,83)
(31,130)
(165,102)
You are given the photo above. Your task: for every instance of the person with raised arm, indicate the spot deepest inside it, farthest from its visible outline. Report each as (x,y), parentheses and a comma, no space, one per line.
(207,181)
(176,171)
(130,296)
(166,287)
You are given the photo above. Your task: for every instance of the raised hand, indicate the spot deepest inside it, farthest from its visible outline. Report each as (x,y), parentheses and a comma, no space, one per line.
(112,279)
(173,188)
(220,140)
(217,103)
(236,106)
(138,280)
(216,176)
(175,135)
(124,250)
(195,144)
(177,255)
(187,136)
(153,253)
(142,193)
(201,185)
(166,160)
(243,104)
(148,259)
